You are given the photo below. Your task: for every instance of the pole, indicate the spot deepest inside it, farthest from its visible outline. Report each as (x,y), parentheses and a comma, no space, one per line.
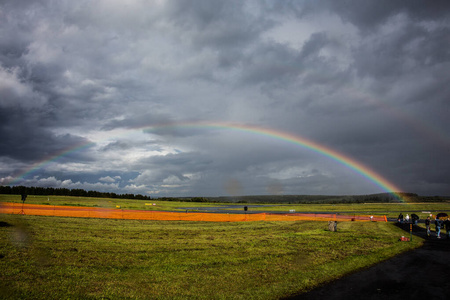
(410,231)
(24,197)
(22,212)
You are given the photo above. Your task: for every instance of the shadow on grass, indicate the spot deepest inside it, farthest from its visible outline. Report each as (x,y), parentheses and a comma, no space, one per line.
(421,273)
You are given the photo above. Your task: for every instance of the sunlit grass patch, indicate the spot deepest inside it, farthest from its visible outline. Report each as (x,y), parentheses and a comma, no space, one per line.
(54,257)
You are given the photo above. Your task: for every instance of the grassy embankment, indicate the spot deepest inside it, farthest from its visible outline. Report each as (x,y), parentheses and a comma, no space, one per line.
(67,258)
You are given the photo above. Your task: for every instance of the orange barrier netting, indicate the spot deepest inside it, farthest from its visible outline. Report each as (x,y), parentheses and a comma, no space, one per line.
(111,213)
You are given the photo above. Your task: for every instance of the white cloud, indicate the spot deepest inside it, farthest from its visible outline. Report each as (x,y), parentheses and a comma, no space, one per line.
(107,179)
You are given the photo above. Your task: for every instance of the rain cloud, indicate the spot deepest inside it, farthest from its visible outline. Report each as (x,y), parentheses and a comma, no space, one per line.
(126,95)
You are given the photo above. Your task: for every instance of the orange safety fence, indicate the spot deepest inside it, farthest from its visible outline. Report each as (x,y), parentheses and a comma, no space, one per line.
(111,213)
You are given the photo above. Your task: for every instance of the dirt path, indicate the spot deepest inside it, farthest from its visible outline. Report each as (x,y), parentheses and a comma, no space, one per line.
(423,273)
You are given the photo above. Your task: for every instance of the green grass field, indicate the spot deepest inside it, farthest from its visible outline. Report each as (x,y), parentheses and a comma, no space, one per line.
(106,202)
(78,258)
(391,210)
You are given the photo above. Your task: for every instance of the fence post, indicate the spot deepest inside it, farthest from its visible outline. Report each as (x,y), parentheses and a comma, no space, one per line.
(410,231)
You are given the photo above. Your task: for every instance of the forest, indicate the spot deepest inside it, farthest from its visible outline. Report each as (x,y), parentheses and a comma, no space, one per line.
(20,190)
(287,199)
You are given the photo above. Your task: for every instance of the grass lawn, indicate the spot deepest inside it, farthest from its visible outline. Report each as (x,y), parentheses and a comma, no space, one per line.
(107,202)
(391,210)
(73,258)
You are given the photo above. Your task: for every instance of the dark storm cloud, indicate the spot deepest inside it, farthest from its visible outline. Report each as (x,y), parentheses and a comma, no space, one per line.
(366,78)
(369,14)
(278,63)
(218,24)
(23,133)
(412,47)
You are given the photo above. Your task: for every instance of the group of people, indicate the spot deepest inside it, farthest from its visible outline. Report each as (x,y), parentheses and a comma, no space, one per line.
(414,219)
(439,224)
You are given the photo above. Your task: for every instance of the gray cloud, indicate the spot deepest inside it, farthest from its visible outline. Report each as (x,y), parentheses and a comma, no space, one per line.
(372,14)
(367,79)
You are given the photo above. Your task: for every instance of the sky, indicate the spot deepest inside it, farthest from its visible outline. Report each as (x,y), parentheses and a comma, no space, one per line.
(176,98)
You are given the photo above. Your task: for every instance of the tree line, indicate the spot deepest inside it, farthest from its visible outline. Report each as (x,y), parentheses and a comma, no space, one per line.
(20,190)
(291,199)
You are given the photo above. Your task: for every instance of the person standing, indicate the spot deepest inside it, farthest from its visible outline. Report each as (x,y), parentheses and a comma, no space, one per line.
(407,218)
(438,227)
(447,227)
(427,225)
(414,219)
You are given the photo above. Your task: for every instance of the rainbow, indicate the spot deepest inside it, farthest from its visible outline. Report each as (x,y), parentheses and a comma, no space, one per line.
(48,160)
(347,161)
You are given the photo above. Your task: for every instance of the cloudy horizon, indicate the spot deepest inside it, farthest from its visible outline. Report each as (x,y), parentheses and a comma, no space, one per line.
(98,95)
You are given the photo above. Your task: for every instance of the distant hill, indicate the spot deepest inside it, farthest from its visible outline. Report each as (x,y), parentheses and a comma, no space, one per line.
(319,199)
(308,199)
